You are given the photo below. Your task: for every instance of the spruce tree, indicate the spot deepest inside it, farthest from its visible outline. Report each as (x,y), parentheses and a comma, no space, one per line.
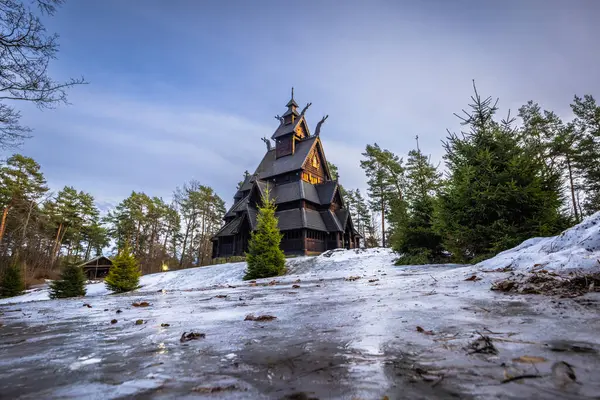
(264,257)
(415,237)
(124,275)
(11,283)
(70,284)
(497,194)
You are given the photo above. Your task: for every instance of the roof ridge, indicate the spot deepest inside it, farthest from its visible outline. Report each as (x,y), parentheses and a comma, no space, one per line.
(335,218)
(303,215)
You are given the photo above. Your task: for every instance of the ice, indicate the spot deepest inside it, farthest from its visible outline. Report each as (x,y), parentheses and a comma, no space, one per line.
(332,337)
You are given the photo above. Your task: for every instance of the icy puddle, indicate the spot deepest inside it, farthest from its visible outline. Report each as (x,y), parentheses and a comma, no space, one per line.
(353,327)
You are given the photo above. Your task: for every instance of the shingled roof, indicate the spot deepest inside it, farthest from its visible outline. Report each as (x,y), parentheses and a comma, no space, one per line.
(286,129)
(271,165)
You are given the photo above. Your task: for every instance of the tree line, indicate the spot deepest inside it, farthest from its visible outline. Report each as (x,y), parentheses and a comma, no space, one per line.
(505,180)
(40,229)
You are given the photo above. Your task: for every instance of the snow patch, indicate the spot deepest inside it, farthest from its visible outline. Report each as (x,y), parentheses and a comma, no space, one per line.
(577,248)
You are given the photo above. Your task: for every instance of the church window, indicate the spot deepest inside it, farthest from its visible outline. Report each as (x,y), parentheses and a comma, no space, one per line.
(315,161)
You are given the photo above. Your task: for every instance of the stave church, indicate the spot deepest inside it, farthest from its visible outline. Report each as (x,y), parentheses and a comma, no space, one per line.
(310,209)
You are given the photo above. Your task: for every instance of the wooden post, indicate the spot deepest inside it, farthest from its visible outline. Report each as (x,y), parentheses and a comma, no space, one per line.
(304,246)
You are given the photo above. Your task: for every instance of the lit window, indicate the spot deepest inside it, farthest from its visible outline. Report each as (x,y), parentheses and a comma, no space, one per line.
(315,161)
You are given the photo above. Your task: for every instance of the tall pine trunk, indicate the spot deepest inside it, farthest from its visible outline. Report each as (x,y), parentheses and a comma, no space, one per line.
(572,186)
(3,222)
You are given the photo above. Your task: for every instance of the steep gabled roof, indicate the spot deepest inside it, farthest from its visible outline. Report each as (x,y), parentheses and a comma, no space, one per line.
(239,206)
(232,227)
(326,191)
(286,129)
(271,165)
(331,221)
(342,216)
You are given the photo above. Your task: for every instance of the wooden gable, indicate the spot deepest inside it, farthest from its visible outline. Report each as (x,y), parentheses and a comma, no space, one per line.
(315,169)
(301,131)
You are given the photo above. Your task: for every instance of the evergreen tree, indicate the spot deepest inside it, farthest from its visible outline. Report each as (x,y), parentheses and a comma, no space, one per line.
(264,256)
(11,283)
(385,179)
(587,159)
(415,237)
(71,283)
(124,275)
(497,194)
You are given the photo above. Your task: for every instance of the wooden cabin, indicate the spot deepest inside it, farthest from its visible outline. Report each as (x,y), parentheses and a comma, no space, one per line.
(97,268)
(311,213)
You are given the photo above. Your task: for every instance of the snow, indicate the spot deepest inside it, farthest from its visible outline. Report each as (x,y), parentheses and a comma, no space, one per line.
(231,274)
(577,248)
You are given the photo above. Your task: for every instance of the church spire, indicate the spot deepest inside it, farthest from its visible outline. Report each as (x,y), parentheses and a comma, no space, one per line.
(292,112)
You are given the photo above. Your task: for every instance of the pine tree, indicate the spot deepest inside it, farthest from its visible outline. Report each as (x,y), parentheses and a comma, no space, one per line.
(124,275)
(415,237)
(496,195)
(264,257)
(385,179)
(587,159)
(70,284)
(11,283)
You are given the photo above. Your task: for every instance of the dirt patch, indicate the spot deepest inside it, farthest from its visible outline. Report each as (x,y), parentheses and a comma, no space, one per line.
(550,284)
(260,318)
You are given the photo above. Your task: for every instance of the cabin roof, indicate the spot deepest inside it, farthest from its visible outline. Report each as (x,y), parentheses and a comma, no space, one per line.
(96,261)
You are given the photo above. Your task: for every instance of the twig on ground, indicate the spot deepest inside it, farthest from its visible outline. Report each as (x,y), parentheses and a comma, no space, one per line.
(516,378)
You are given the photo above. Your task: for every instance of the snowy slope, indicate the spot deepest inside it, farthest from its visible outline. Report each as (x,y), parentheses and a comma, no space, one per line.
(577,248)
(335,264)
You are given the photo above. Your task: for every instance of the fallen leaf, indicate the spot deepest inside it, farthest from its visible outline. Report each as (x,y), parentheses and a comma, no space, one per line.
(297,281)
(530,359)
(373,280)
(295,286)
(106,309)
(252,284)
(352,278)
(163,325)
(423,331)
(191,336)
(273,282)
(87,305)
(139,322)
(114,321)
(142,304)
(119,311)
(260,318)
(473,278)
(221,296)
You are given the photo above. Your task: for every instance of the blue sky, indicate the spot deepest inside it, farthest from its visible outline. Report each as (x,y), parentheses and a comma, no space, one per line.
(184,90)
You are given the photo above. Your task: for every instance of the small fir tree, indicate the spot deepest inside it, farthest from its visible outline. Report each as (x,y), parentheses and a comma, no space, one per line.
(264,256)
(124,275)
(11,283)
(70,284)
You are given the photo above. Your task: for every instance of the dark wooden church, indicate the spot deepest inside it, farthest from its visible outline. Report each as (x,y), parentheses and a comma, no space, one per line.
(310,210)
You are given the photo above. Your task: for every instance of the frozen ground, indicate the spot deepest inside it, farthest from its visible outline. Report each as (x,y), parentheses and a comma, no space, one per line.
(400,332)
